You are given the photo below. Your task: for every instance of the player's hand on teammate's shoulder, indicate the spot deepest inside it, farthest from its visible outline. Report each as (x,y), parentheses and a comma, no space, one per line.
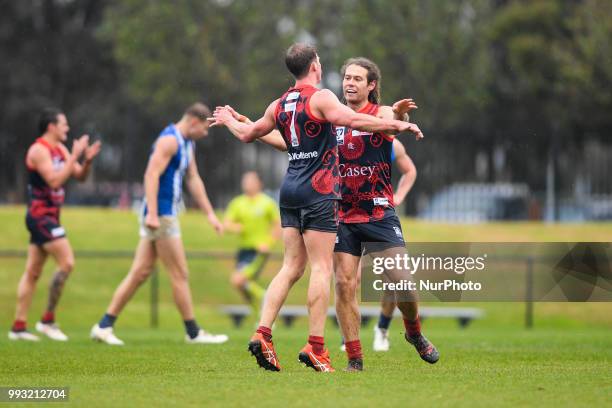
(152,221)
(216,224)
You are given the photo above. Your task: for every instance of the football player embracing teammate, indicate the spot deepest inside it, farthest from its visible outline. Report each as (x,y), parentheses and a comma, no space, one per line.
(367,213)
(309,195)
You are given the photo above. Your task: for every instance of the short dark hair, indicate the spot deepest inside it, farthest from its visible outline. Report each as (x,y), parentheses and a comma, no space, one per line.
(47,116)
(198,110)
(373,75)
(299,57)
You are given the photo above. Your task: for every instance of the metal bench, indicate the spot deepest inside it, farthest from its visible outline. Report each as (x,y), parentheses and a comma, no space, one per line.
(289,313)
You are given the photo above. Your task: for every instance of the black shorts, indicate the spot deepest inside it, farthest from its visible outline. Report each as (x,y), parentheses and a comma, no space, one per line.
(250,263)
(321,216)
(386,231)
(43,229)
(245,257)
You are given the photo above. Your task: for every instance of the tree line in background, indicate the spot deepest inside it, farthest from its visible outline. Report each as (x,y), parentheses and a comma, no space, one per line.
(506,89)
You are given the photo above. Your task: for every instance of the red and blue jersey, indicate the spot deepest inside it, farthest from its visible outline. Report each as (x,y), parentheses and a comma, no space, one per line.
(365,173)
(44,201)
(312,175)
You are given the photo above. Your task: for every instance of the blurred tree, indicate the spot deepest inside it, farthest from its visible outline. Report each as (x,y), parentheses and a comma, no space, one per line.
(550,56)
(219,52)
(49,57)
(495,81)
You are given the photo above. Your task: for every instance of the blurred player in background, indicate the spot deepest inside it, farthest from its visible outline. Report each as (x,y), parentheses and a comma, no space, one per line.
(309,196)
(408,171)
(172,158)
(49,165)
(367,211)
(254,216)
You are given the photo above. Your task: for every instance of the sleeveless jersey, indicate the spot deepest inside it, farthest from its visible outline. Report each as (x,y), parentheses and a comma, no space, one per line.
(312,174)
(44,201)
(365,173)
(171,180)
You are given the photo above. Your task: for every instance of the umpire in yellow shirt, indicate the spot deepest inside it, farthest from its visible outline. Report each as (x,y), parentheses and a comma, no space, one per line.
(255,218)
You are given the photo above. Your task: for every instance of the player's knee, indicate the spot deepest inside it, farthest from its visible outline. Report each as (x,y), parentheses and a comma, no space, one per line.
(33,273)
(141,275)
(295,273)
(296,263)
(238,281)
(67,265)
(180,275)
(322,269)
(346,285)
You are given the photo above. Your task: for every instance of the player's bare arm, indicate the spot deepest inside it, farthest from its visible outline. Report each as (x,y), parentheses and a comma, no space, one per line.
(326,105)
(407,169)
(246,133)
(39,158)
(197,189)
(164,150)
(274,138)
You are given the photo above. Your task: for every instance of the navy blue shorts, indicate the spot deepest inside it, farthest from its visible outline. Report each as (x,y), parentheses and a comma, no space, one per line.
(43,229)
(321,216)
(250,263)
(386,231)
(245,257)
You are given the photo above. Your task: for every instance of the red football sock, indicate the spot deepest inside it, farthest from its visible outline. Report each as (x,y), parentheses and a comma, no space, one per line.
(266,332)
(413,327)
(317,343)
(353,349)
(48,317)
(19,325)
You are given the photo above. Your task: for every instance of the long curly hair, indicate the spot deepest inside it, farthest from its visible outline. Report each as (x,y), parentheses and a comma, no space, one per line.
(373,75)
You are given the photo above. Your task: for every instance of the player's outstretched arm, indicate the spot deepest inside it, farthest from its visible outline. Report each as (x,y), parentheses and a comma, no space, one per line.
(165,148)
(274,138)
(246,133)
(407,169)
(196,187)
(326,105)
(39,158)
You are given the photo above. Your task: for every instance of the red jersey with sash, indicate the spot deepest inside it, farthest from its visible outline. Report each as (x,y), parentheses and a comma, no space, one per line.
(365,173)
(44,201)
(312,175)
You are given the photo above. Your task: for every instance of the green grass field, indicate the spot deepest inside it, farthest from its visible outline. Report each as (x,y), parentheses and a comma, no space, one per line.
(566,359)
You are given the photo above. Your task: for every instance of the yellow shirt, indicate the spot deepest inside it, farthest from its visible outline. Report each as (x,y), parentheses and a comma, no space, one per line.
(257,215)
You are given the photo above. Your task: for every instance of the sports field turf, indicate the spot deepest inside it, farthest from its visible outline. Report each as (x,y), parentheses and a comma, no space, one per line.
(565,360)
